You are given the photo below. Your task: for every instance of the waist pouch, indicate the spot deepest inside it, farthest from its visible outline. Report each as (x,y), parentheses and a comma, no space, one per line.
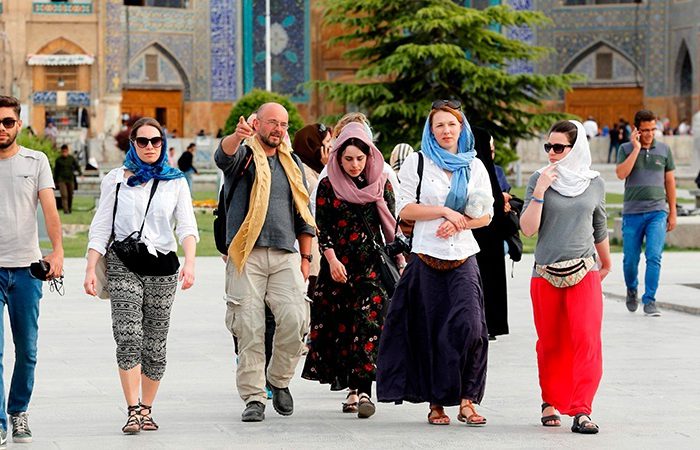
(442,265)
(566,273)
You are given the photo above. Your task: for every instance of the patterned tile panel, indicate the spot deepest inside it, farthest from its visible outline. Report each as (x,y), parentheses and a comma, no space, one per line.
(223,50)
(523,34)
(77,98)
(201,50)
(161,20)
(61,8)
(178,46)
(115,48)
(44,97)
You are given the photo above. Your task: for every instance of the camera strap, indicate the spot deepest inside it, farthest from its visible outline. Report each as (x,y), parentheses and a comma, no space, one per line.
(116,202)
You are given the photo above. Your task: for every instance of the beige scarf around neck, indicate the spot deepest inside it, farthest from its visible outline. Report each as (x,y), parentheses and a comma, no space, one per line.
(244,240)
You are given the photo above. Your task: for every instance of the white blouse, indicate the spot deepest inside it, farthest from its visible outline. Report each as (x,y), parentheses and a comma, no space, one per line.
(171,207)
(434,190)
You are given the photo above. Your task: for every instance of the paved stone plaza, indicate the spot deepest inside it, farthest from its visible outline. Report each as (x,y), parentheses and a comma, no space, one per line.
(649,395)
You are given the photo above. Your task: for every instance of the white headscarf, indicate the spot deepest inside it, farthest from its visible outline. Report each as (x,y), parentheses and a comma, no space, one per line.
(574,172)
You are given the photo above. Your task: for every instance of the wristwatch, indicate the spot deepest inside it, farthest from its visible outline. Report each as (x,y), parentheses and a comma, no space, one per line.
(308,257)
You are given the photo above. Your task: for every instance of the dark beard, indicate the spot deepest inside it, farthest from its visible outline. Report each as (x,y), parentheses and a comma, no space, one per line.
(267,142)
(9,143)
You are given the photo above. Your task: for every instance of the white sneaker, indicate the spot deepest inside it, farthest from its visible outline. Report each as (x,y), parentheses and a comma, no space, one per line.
(3,438)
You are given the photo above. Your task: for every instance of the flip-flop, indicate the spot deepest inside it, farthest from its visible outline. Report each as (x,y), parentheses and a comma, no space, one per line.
(350,407)
(551,418)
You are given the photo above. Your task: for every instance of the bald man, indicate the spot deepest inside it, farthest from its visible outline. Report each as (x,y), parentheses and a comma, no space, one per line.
(263,267)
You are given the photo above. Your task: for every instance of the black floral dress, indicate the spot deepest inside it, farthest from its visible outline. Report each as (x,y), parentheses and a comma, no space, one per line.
(346,319)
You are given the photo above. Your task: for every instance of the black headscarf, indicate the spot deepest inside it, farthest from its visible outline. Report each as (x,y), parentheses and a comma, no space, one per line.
(482,145)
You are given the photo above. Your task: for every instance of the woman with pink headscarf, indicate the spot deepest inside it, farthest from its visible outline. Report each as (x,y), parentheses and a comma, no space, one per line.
(354,215)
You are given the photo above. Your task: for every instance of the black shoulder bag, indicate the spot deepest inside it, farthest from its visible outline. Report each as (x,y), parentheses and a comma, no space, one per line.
(220,211)
(386,266)
(134,254)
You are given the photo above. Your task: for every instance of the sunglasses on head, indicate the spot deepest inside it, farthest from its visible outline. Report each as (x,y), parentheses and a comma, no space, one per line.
(8,122)
(322,128)
(454,104)
(142,142)
(557,148)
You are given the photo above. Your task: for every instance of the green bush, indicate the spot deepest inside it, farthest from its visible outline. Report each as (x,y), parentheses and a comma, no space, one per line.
(39,144)
(250,102)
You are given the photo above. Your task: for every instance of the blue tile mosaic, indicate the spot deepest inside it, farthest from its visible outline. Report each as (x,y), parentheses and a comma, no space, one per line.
(44,98)
(223,14)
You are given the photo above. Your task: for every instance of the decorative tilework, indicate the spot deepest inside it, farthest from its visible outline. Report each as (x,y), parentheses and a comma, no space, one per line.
(524,34)
(178,48)
(161,20)
(44,98)
(114,46)
(201,58)
(61,8)
(223,50)
(77,98)
(290,59)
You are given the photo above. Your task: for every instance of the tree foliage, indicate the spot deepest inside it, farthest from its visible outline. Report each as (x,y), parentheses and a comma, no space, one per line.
(40,144)
(413,52)
(250,102)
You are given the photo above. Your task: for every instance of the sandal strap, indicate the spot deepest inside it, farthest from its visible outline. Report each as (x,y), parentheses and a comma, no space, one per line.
(351,392)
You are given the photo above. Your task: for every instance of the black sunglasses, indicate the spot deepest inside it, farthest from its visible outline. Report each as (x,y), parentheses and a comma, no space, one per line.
(8,122)
(142,142)
(454,104)
(558,148)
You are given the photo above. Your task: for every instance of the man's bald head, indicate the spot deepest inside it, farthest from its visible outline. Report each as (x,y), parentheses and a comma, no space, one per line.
(272,109)
(271,124)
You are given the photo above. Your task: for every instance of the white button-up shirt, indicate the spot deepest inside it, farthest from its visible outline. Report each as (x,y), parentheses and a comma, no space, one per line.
(171,207)
(434,190)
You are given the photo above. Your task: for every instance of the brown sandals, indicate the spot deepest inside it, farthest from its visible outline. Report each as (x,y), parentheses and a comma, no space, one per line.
(473,419)
(440,418)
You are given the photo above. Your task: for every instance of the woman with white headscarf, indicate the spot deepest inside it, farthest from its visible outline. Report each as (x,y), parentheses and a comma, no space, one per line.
(565,206)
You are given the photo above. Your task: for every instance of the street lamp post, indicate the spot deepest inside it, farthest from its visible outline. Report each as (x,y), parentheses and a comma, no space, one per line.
(268,50)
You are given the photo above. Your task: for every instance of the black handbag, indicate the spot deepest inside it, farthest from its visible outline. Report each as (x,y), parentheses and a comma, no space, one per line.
(388,272)
(134,254)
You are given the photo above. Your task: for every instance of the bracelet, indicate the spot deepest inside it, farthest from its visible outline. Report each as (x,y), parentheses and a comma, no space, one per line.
(537,200)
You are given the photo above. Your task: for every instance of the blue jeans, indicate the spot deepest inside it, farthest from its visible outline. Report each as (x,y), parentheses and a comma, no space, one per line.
(21,292)
(188,177)
(635,227)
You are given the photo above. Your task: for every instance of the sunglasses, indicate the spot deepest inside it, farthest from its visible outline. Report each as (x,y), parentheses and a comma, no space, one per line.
(8,122)
(142,142)
(557,148)
(454,104)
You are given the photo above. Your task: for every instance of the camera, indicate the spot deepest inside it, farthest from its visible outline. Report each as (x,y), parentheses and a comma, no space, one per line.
(400,245)
(40,269)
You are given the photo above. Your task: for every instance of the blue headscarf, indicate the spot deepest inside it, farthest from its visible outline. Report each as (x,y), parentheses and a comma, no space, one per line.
(143,172)
(457,164)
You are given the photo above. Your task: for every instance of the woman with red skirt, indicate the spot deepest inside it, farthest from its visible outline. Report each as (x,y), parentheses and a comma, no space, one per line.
(565,206)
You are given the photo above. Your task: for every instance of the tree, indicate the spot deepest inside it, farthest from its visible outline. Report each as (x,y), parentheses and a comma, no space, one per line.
(250,102)
(413,52)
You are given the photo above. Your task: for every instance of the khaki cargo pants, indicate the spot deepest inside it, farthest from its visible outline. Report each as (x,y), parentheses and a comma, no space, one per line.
(273,277)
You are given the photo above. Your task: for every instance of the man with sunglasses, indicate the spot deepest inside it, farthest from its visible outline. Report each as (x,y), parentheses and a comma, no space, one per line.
(25,181)
(648,170)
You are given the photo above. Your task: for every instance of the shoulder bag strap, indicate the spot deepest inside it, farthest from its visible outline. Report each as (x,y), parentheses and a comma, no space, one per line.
(418,189)
(114,213)
(241,174)
(153,192)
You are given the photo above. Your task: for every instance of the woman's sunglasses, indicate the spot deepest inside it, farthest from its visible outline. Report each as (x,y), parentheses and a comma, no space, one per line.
(557,148)
(142,142)
(454,104)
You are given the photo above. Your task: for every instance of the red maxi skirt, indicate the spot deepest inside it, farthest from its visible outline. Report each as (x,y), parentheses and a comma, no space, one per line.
(569,349)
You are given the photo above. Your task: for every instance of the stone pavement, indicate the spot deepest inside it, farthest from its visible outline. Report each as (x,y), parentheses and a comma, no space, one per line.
(648,397)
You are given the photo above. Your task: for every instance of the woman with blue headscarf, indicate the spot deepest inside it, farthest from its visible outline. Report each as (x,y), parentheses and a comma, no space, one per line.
(144,199)
(434,343)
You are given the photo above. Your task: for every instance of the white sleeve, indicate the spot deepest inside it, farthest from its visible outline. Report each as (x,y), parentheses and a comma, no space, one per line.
(481,181)
(391,176)
(312,197)
(186,222)
(101,226)
(409,183)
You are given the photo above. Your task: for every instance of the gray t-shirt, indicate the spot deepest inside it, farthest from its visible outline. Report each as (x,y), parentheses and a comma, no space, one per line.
(22,176)
(282,223)
(569,226)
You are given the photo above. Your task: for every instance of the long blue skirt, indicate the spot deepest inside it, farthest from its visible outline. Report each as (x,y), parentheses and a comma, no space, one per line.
(434,345)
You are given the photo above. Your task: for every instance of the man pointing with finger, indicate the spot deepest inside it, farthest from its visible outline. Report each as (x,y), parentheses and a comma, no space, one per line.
(268,213)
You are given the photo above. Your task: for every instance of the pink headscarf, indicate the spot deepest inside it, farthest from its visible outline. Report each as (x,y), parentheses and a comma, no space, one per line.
(346,190)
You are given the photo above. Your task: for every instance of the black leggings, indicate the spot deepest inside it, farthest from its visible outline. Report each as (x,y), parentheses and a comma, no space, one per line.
(363,386)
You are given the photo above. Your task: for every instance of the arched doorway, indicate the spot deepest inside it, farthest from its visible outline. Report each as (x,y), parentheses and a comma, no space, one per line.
(685,84)
(613,85)
(156,86)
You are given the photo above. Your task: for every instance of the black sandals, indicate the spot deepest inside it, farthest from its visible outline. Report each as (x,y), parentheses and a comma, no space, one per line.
(551,418)
(585,426)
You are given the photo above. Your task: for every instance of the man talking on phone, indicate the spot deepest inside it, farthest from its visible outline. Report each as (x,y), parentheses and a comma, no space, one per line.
(25,180)
(649,207)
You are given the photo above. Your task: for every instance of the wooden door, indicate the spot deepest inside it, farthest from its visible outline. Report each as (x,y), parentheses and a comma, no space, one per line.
(145,103)
(606,105)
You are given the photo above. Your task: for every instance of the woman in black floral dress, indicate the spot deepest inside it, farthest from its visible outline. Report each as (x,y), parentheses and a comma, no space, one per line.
(346,316)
